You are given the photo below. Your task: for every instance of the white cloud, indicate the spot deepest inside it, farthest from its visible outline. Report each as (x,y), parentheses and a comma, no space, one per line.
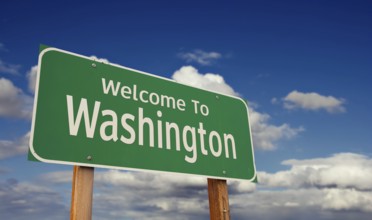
(347,199)
(13,148)
(200,56)
(265,135)
(131,179)
(309,188)
(9,68)
(190,76)
(120,194)
(31,76)
(143,195)
(103,60)
(308,203)
(317,188)
(343,170)
(13,102)
(313,101)
(150,203)
(239,187)
(139,179)
(58,177)
(275,204)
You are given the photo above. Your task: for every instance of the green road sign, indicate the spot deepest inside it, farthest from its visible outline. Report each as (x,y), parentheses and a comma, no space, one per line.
(91,113)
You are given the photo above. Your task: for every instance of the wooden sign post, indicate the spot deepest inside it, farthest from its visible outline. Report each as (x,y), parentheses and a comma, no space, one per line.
(82,193)
(218,200)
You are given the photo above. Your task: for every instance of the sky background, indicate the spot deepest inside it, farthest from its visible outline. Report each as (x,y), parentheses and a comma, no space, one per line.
(304,67)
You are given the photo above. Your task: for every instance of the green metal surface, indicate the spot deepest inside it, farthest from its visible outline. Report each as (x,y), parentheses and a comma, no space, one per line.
(208,123)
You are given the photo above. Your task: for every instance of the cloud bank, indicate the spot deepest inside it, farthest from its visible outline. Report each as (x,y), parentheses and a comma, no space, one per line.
(319,188)
(25,201)
(339,171)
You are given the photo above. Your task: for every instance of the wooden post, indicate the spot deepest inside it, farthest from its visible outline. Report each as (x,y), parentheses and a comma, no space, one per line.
(218,200)
(82,193)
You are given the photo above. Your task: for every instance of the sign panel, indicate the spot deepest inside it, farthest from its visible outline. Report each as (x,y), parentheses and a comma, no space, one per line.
(91,113)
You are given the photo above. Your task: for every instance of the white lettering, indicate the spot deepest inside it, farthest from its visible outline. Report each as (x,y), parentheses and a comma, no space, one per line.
(126,90)
(74,123)
(160,131)
(202,132)
(181,104)
(106,89)
(168,127)
(156,101)
(195,106)
(113,124)
(142,98)
(211,147)
(148,132)
(127,127)
(227,137)
(192,147)
(204,110)
(141,122)
(170,102)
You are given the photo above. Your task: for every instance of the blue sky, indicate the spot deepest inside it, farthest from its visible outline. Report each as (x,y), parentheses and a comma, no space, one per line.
(304,67)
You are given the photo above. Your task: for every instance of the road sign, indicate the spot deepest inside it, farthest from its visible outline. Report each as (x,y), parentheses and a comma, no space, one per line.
(91,113)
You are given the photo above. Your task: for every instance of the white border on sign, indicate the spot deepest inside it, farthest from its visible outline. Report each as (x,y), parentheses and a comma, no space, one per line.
(43,52)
